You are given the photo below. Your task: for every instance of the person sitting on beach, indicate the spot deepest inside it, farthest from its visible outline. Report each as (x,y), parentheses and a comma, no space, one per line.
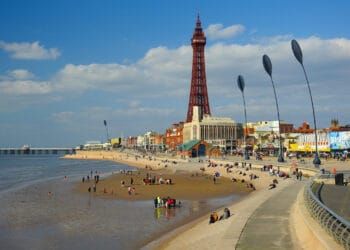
(227,213)
(272,185)
(275,181)
(129,190)
(213,218)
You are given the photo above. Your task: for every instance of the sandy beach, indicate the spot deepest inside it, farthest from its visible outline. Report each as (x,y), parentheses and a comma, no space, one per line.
(185,186)
(196,233)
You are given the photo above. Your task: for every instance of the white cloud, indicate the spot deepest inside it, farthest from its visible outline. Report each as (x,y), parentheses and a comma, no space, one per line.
(29,51)
(217,31)
(25,87)
(159,82)
(21,74)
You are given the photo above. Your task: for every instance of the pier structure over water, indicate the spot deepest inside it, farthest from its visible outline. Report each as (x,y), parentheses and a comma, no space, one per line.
(36,151)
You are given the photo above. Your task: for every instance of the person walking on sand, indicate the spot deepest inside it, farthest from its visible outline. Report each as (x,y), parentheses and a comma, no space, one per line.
(131,181)
(214,180)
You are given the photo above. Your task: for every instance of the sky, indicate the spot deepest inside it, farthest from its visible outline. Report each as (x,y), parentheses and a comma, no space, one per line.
(65,66)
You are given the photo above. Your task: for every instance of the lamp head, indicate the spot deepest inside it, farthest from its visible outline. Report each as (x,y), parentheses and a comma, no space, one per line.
(267,64)
(297,51)
(240,83)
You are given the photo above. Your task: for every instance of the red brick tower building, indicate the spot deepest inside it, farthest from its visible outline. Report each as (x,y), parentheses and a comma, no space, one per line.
(199,93)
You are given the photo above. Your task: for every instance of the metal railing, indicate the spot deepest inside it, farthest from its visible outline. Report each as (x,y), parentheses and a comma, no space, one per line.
(335,225)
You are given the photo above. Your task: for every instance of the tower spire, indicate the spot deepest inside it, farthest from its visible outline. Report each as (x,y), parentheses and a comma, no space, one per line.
(198,22)
(199,93)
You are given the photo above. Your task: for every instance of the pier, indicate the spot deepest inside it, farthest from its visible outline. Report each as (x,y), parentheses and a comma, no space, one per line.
(36,151)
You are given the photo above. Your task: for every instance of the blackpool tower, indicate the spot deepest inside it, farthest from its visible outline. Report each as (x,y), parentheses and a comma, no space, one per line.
(199,93)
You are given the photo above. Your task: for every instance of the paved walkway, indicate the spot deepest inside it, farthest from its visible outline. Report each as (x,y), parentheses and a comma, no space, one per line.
(327,164)
(269,226)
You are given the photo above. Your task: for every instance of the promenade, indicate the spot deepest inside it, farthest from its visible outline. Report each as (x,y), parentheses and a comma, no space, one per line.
(270,227)
(328,164)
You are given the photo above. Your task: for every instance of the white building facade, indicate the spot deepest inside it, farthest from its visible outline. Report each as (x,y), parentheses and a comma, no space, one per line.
(218,131)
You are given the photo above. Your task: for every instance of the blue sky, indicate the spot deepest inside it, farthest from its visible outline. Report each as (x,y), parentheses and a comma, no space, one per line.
(65,66)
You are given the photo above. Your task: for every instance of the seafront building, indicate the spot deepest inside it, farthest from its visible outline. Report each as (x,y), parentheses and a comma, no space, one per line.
(222,132)
(174,136)
(264,135)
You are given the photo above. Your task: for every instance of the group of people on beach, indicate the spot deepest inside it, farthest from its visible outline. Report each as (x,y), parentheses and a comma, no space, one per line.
(214,217)
(131,188)
(165,202)
(96,180)
(96,177)
(152,180)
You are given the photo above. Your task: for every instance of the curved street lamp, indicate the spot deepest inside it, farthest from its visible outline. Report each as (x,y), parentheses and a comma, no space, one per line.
(299,56)
(268,68)
(105,123)
(241,84)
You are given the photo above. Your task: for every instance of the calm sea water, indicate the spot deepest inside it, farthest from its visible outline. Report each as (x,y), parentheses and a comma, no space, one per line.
(32,219)
(21,170)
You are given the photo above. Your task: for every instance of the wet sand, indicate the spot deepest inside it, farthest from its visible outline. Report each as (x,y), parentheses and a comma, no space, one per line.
(32,219)
(185,185)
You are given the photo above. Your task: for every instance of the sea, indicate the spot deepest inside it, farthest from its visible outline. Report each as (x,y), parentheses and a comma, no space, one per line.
(40,210)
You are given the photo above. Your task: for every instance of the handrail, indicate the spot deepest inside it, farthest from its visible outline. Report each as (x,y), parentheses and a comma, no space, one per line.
(334,224)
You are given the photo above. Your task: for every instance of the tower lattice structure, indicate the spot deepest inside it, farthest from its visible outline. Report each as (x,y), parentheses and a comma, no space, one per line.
(199,93)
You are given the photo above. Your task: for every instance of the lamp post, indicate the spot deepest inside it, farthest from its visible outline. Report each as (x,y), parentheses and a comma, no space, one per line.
(268,68)
(241,84)
(299,56)
(105,123)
